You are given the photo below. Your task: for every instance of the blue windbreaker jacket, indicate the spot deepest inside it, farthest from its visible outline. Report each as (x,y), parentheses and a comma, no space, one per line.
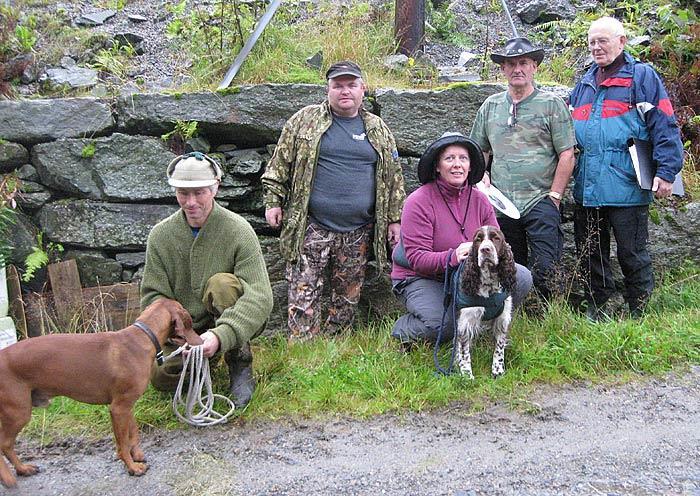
(631,104)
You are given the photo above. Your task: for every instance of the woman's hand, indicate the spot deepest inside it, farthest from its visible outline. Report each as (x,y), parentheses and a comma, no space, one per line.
(463,250)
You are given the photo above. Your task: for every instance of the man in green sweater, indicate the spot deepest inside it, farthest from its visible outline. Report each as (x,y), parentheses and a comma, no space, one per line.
(209,259)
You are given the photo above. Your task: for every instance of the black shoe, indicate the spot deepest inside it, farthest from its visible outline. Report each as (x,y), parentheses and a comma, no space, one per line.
(242,381)
(596,314)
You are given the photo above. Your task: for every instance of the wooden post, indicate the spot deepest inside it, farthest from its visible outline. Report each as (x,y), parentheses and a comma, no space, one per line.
(409,25)
(67,291)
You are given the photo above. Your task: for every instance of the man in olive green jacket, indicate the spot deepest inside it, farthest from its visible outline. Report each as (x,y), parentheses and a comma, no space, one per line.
(333,184)
(208,259)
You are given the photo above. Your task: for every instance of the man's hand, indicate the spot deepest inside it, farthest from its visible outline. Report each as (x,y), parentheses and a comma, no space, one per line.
(273,216)
(211,344)
(662,188)
(463,250)
(393,234)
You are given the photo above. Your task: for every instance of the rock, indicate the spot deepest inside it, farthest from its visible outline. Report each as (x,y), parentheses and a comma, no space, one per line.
(246,116)
(640,40)
(12,155)
(432,113)
(98,225)
(131,260)
(99,91)
(132,40)
(67,62)
(33,196)
(75,77)
(395,62)
(245,162)
(137,18)
(95,268)
(122,167)
(456,75)
(197,144)
(22,239)
(96,18)
(33,121)
(536,11)
(466,57)
(28,173)
(315,61)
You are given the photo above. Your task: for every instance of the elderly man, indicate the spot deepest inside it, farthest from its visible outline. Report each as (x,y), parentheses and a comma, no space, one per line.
(333,184)
(618,99)
(209,260)
(531,137)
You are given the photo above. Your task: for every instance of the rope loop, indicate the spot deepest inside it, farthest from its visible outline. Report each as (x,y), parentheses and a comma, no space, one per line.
(199,391)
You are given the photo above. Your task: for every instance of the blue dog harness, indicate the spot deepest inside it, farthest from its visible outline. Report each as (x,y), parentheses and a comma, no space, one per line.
(493,304)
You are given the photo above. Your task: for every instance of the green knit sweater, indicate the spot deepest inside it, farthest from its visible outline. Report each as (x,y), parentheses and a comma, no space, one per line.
(178,266)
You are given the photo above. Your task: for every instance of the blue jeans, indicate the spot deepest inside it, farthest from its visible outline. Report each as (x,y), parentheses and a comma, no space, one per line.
(424,299)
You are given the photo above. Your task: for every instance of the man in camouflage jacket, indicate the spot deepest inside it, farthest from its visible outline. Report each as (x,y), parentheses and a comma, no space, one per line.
(334,183)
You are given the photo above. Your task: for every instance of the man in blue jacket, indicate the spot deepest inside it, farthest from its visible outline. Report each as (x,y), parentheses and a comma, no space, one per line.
(619,98)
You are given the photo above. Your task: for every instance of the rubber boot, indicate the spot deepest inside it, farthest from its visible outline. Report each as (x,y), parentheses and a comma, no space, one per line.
(242,381)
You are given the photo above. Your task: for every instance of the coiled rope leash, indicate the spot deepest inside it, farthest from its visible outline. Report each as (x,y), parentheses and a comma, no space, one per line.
(196,367)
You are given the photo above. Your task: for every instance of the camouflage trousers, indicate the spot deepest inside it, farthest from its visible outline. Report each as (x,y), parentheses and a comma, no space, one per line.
(346,253)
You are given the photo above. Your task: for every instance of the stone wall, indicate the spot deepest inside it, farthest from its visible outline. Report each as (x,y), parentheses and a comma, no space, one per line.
(93,170)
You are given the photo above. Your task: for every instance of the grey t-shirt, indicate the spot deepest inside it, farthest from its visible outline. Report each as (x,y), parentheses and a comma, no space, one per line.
(343,193)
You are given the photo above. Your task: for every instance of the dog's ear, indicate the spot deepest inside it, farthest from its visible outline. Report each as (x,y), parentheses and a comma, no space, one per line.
(182,323)
(506,268)
(471,276)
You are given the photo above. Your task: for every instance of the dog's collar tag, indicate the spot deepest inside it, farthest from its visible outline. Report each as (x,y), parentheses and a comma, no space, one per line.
(154,340)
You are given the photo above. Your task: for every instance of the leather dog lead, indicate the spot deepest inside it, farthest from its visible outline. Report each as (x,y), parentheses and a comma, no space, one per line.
(154,340)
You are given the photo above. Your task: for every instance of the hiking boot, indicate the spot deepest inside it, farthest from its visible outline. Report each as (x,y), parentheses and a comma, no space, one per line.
(596,314)
(241,379)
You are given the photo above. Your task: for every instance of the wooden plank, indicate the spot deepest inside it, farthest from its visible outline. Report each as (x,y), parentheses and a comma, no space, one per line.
(105,308)
(14,292)
(67,290)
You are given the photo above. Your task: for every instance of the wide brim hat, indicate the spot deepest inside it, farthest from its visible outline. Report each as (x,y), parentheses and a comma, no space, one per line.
(428,161)
(193,170)
(519,47)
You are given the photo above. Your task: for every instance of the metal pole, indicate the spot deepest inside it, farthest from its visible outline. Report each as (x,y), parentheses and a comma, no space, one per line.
(409,25)
(510,19)
(249,44)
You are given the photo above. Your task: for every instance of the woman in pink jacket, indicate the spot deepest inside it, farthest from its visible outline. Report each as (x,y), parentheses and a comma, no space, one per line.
(438,222)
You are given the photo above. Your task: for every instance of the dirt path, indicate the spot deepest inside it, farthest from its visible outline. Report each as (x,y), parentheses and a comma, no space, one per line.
(638,439)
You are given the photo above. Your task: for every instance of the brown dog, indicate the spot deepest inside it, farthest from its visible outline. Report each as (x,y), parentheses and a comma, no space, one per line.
(101,368)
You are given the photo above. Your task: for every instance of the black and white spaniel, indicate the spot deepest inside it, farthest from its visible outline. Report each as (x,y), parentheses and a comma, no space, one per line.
(485,299)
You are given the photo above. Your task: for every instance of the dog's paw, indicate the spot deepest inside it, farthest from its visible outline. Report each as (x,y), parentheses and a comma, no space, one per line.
(138,469)
(138,455)
(496,373)
(26,470)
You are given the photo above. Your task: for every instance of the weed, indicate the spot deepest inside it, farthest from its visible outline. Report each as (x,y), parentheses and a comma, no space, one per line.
(40,256)
(88,150)
(177,138)
(442,23)
(9,189)
(114,61)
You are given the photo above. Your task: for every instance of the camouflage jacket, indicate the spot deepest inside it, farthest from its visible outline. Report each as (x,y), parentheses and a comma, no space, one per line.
(289,176)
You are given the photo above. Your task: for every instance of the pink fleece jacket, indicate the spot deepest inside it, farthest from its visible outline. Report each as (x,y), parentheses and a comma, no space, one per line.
(431,226)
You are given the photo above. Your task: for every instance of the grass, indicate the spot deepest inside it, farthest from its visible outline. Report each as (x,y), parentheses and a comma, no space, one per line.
(364,373)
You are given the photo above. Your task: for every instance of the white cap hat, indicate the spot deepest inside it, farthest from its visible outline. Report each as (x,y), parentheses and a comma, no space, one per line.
(193,170)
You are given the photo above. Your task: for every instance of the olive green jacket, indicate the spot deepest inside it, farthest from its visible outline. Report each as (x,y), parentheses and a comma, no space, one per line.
(178,266)
(289,177)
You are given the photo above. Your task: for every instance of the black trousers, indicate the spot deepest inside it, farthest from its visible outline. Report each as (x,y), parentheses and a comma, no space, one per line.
(537,242)
(630,225)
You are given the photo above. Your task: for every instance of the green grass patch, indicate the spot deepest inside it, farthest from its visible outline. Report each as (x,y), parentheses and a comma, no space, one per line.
(364,373)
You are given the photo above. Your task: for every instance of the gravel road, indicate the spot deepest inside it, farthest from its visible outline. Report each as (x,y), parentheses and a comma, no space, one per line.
(638,439)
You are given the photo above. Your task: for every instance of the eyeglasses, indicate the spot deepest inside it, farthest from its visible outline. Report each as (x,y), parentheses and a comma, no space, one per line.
(601,42)
(513,117)
(451,159)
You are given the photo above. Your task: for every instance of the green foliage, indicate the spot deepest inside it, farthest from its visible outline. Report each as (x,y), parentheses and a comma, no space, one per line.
(40,256)
(183,129)
(442,23)
(88,150)
(114,61)
(364,373)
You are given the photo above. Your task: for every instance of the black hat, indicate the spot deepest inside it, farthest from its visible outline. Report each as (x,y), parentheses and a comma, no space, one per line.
(428,161)
(343,68)
(519,47)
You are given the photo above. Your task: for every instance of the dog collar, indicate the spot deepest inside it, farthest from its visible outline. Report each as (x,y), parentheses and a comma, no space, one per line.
(154,340)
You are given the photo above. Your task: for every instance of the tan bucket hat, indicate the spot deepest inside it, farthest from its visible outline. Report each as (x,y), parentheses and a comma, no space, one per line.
(193,170)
